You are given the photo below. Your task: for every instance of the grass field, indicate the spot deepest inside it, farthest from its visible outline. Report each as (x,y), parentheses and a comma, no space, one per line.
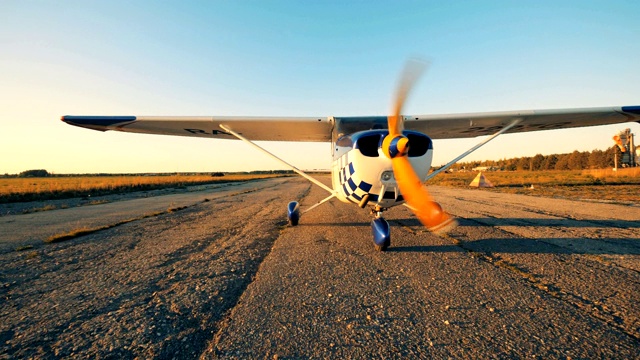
(620,186)
(31,189)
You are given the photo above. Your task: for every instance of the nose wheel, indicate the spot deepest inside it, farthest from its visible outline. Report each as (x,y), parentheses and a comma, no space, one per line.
(381,234)
(381,231)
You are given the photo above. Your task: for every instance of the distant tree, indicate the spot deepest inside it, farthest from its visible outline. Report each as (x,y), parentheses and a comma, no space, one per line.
(562,163)
(510,164)
(600,159)
(35,173)
(596,159)
(549,162)
(523,163)
(536,162)
(577,160)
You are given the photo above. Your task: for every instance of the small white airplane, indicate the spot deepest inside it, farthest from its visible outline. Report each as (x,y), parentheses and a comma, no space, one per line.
(378,161)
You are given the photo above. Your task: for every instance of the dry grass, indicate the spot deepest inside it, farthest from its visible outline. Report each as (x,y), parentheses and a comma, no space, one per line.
(30,189)
(73,234)
(44,208)
(622,186)
(548,177)
(84,230)
(610,173)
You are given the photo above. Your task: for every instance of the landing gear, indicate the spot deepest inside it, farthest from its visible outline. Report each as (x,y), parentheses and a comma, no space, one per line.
(381,231)
(381,234)
(293,213)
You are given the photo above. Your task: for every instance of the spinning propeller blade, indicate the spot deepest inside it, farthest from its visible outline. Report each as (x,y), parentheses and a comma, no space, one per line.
(396,147)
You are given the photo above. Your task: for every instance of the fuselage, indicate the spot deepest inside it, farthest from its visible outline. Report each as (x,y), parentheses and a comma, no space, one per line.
(362,174)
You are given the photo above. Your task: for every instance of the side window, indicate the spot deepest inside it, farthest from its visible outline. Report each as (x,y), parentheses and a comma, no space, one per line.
(418,144)
(368,145)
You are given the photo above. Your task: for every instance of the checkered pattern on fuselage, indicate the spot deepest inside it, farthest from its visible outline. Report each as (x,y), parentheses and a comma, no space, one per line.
(354,188)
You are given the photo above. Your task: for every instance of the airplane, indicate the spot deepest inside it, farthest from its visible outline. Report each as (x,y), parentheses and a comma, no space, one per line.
(378,161)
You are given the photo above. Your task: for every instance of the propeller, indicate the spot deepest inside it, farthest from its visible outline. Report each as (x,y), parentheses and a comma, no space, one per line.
(396,147)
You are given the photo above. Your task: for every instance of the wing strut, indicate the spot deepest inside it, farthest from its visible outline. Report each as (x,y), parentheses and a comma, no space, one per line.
(320,203)
(300,172)
(448,165)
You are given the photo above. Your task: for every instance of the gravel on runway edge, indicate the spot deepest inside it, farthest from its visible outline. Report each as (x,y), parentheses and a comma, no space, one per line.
(154,288)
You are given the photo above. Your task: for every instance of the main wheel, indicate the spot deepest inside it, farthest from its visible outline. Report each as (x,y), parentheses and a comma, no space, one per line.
(293,213)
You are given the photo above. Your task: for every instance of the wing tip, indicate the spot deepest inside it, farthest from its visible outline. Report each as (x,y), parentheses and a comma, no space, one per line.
(102,123)
(633,109)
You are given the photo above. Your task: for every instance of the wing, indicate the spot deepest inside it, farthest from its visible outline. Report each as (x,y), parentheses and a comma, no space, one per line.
(446,126)
(253,128)
(476,124)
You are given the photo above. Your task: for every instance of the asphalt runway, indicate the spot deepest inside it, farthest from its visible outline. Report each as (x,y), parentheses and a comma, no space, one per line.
(225,277)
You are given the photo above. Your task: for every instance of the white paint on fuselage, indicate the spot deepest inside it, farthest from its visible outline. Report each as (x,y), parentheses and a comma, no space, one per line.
(365,173)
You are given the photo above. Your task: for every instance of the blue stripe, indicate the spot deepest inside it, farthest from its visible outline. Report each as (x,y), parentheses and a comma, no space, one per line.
(352,185)
(393,147)
(97,120)
(631,109)
(356,196)
(344,188)
(365,186)
(351,169)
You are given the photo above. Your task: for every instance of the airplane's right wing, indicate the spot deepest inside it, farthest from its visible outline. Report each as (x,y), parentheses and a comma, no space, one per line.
(255,128)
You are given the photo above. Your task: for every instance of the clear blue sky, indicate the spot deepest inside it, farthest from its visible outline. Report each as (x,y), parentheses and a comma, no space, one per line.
(303,58)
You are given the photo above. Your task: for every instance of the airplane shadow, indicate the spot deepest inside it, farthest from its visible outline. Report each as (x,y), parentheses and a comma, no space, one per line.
(424,248)
(567,246)
(608,245)
(584,223)
(338,224)
(521,245)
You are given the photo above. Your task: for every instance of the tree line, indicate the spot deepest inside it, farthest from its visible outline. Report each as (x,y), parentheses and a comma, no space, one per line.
(40,173)
(577,160)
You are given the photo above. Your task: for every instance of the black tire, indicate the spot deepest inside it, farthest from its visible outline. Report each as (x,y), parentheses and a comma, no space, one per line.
(383,247)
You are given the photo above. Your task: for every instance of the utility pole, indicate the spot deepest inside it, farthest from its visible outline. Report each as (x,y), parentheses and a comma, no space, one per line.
(632,151)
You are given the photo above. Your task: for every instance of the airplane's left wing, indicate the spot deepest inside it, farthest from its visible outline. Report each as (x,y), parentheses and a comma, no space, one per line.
(253,128)
(451,126)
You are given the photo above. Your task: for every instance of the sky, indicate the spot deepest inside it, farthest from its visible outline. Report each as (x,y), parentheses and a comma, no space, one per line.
(298,58)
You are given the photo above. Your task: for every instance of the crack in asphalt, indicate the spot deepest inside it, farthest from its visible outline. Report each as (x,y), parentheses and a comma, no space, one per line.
(225,320)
